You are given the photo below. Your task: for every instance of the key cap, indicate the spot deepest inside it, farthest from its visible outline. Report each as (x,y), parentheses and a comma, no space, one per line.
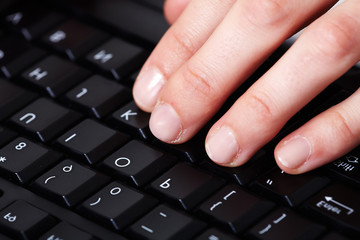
(284,222)
(22,160)
(98,96)
(91,141)
(347,167)
(338,205)
(165,223)
(290,189)
(31,21)
(215,234)
(44,119)
(137,163)
(16,55)
(74,38)
(6,135)
(125,16)
(21,220)
(234,208)
(118,58)
(158,4)
(133,120)
(68,183)
(334,236)
(243,175)
(12,98)
(54,75)
(117,206)
(65,231)
(186,185)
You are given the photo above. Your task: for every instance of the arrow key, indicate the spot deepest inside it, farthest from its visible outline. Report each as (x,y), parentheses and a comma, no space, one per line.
(338,205)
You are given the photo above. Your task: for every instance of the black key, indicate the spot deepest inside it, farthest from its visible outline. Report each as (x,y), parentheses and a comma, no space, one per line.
(347,167)
(137,162)
(65,231)
(334,236)
(12,98)
(98,96)
(32,20)
(234,208)
(6,135)
(165,223)
(54,75)
(338,205)
(16,55)
(257,165)
(44,119)
(117,206)
(24,221)
(214,234)
(290,189)
(133,120)
(186,185)
(74,38)
(91,141)
(125,16)
(283,223)
(117,57)
(22,160)
(4,4)
(69,183)
(155,3)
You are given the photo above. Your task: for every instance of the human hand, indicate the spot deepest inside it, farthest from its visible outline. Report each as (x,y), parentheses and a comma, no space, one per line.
(213,46)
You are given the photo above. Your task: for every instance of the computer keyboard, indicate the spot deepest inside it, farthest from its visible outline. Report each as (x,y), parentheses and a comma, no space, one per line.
(78,161)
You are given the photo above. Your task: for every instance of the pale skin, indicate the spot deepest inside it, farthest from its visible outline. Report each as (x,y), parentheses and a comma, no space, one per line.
(213,46)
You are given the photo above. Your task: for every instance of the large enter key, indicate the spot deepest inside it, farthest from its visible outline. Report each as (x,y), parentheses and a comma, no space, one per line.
(338,205)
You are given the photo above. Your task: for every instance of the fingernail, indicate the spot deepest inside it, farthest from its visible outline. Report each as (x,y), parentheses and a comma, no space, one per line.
(165,123)
(148,86)
(222,147)
(294,152)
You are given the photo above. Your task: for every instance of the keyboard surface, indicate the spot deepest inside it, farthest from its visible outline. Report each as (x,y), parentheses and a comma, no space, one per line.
(78,161)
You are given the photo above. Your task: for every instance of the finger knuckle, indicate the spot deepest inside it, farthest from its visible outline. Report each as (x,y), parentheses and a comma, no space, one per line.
(262,106)
(335,38)
(266,13)
(342,130)
(183,39)
(199,83)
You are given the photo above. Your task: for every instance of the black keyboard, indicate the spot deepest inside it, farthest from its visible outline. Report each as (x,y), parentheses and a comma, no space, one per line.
(77,159)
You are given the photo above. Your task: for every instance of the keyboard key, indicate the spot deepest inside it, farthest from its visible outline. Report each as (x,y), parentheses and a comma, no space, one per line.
(69,183)
(234,208)
(31,20)
(117,206)
(334,236)
(54,75)
(44,119)
(91,141)
(261,162)
(74,38)
(290,189)
(125,16)
(283,222)
(214,234)
(186,185)
(16,55)
(133,120)
(12,98)
(347,167)
(65,231)
(21,220)
(22,160)
(165,223)
(137,163)
(118,58)
(338,205)
(6,135)
(156,3)
(98,96)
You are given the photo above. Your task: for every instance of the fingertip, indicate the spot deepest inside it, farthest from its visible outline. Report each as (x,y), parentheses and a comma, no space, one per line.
(173,9)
